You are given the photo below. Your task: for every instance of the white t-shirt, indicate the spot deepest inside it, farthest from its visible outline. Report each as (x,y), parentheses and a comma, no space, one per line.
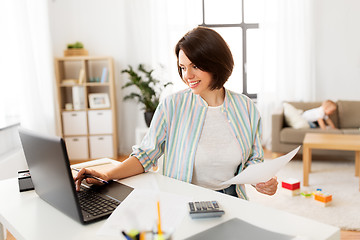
(314,114)
(218,153)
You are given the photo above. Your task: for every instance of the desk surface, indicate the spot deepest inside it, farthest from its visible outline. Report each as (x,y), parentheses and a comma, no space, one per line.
(26,216)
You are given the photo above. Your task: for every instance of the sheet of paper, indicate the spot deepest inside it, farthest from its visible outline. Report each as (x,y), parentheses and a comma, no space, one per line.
(262,172)
(139,211)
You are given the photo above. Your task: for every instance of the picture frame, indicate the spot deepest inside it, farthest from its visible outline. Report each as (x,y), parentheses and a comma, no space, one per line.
(99,100)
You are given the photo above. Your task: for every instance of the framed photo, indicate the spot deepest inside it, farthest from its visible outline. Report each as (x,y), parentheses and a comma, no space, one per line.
(99,100)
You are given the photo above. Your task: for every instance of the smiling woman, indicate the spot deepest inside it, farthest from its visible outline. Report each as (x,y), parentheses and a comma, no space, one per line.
(205,133)
(205,63)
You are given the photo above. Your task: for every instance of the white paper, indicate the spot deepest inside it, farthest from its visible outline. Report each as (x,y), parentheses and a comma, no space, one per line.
(139,211)
(262,172)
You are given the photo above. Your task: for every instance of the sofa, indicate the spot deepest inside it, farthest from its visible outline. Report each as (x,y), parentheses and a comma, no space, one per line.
(285,138)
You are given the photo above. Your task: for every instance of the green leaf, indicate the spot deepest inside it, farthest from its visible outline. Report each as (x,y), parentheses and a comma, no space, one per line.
(149,89)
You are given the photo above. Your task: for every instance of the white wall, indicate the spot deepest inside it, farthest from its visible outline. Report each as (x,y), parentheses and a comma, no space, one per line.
(337,49)
(121,29)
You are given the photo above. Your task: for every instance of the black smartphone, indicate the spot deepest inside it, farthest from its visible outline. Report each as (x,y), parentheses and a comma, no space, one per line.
(25,182)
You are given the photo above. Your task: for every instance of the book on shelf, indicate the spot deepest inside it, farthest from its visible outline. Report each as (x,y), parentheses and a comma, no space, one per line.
(78,95)
(104,75)
(82,76)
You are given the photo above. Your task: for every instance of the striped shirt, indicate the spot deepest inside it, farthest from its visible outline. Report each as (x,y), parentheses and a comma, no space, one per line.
(176,128)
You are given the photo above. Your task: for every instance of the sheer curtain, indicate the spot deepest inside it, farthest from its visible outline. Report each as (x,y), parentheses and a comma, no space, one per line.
(288,57)
(153,28)
(27,79)
(171,26)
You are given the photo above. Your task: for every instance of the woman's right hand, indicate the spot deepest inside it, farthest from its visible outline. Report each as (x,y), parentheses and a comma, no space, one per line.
(83,174)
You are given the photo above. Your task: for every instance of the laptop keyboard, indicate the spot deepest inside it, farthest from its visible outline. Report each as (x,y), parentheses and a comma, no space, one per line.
(94,203)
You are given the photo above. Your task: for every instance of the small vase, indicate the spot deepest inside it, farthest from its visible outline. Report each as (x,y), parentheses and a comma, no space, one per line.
(148,117)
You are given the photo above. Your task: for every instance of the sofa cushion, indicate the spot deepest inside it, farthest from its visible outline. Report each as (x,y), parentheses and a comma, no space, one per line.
(306,105)
(349,114)
(296,136)
(351,131)
(293,117)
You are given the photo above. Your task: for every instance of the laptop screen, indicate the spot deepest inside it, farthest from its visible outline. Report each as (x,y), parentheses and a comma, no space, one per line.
(50,172)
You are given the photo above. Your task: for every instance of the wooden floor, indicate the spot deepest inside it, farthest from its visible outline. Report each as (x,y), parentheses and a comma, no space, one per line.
(345,235)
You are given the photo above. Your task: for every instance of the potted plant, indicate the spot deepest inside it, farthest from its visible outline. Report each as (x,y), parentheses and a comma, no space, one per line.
(150,89)
(75,49)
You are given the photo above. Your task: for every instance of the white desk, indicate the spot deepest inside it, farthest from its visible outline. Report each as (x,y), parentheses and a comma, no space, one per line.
(26,216)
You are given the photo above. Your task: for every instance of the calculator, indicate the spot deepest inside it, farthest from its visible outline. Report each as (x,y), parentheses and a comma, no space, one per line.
(205,209)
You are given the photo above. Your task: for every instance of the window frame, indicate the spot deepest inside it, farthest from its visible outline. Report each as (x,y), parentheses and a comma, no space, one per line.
(244,26)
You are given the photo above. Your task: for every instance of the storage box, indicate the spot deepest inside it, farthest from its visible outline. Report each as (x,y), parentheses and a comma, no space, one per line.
(78,95)
(74,123)
(100,122)
(77,148)
(101,146)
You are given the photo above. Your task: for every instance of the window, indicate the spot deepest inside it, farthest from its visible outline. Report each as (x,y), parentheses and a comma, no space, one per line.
(232,19)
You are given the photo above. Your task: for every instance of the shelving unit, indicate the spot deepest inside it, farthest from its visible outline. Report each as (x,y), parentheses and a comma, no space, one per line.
(87,106)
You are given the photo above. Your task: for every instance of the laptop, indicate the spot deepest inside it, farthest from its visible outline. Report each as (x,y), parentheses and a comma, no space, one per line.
(50,171)
(235,228)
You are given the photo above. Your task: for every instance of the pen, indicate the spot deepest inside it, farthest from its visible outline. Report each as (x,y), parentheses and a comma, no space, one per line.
(90,176)
(126,236)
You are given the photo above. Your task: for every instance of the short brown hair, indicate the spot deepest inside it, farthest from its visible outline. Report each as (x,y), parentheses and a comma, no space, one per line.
(207,50)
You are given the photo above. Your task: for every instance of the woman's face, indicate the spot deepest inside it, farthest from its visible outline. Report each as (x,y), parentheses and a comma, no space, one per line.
(198,80)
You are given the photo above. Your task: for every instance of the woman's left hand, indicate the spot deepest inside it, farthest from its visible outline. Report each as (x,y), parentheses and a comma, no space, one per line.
(268,187)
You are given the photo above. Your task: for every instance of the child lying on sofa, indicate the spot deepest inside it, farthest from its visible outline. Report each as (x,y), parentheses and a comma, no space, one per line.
(320,116)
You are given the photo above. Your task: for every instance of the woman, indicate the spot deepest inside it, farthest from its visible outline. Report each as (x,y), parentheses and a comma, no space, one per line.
(206,133)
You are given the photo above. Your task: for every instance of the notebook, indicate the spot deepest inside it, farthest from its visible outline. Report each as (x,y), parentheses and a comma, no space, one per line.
(50,171)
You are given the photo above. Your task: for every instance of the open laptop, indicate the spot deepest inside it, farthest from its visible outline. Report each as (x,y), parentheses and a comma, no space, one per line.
(50,171)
